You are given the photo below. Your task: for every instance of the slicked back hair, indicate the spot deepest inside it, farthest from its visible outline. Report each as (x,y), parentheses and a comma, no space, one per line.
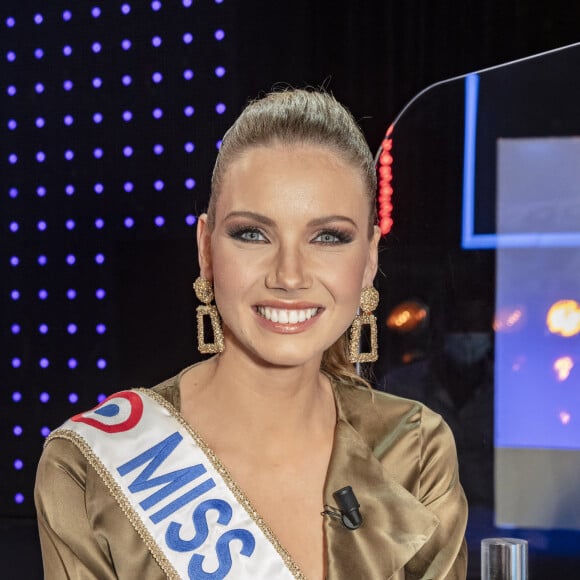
(295,117)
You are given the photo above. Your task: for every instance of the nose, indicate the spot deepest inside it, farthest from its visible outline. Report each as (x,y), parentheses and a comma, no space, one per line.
(289,270)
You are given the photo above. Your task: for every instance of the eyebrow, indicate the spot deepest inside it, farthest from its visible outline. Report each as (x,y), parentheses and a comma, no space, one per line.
(321,221)
(251,215)
(332,218)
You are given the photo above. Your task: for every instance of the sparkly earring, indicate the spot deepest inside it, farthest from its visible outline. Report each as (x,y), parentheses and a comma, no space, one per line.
(369,300)
(204,293)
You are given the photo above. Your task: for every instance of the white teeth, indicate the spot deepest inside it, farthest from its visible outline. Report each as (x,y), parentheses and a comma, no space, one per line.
(284,316)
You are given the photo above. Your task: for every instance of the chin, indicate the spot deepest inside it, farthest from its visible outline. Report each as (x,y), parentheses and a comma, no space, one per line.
(281,351)
(289,356)
(287,359)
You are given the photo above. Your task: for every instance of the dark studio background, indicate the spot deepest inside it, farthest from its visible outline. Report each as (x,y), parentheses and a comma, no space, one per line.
(374,56)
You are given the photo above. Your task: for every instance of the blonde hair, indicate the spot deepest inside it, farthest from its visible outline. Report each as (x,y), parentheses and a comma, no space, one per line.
(294,117)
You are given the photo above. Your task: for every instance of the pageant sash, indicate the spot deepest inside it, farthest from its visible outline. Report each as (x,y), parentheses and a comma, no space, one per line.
(194,519)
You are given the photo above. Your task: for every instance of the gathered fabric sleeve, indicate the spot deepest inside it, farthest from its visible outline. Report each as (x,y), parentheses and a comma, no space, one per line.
(84,534)
(69,546)
(444,556)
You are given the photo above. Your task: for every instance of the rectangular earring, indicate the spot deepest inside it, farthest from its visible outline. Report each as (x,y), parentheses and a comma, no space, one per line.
(369,300)
(204,292)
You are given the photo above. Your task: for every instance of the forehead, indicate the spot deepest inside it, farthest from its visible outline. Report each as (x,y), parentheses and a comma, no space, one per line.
(304,177)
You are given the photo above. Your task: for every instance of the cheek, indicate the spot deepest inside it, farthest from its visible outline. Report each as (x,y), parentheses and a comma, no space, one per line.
(345,278)
(232,276)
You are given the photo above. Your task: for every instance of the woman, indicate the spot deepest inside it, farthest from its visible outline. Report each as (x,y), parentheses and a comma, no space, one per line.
(230,469)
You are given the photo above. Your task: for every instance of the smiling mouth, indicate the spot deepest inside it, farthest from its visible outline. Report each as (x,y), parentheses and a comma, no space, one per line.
(287,316)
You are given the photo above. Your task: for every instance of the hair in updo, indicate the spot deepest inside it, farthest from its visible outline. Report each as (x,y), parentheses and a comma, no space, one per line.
(295,117)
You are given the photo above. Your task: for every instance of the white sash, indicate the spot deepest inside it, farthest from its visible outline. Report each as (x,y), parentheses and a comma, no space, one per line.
(180,499)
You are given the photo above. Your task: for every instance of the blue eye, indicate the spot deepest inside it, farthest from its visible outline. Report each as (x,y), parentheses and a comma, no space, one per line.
(327,238)
(251,235)
(333,237)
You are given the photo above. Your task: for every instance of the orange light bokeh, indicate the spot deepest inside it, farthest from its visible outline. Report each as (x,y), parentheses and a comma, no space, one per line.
(562,367)
(563,318)
(509,319)
(407,316)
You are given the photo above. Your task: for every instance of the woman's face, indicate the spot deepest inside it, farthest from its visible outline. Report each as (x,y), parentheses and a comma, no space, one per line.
(289,252)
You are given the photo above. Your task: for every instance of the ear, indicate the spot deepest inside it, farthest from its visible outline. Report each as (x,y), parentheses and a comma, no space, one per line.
(204,247)
(372,258)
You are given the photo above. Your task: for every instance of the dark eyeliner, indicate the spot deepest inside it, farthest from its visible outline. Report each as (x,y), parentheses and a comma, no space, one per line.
(341,236)
(237,233)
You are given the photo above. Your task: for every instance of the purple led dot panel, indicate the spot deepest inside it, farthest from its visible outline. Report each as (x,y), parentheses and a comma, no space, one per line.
(104,162)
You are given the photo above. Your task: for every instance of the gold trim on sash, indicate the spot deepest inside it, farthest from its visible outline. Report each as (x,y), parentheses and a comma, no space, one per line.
(233,486)
(119,496)
(134,518)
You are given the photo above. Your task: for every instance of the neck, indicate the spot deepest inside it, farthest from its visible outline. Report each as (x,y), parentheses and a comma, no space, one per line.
(254,398)
(292,391)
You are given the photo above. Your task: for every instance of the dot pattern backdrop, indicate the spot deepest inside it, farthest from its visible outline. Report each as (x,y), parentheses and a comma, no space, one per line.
(111,113)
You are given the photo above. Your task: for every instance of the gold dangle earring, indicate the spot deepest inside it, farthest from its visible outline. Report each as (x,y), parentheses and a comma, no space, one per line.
(369,300)
(204,292)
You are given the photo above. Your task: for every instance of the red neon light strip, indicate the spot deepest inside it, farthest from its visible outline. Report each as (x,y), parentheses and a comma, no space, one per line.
(385,184)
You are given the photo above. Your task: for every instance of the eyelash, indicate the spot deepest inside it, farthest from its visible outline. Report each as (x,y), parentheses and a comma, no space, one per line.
(241,233)
(341,237)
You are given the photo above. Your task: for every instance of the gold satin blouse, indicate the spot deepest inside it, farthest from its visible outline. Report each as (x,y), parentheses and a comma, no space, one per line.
(397,455)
